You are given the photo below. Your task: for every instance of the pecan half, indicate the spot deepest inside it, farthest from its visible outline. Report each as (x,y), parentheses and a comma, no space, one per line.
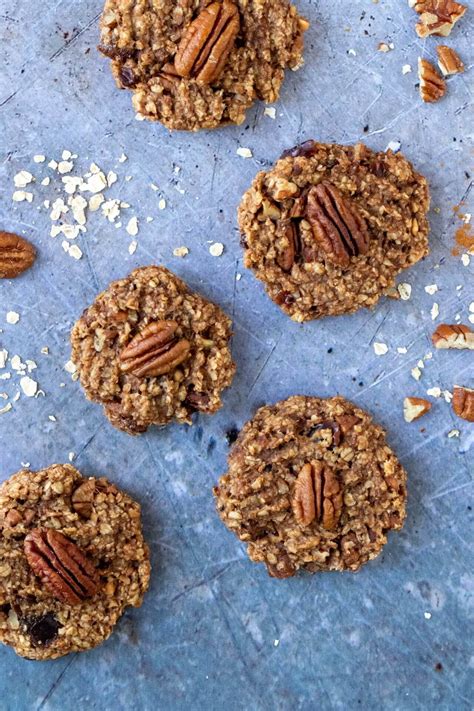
(16,255)
(437,17)
(338,228)
(449,61)
(317,496)
(286,257)
(453,336)
(207,42)
(463,403)
(154,351)
(61,565)
(82,498)
(432,84)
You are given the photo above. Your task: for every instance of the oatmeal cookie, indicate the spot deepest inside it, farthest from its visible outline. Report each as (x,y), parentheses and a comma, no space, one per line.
(329,227)
(72,558)
(195,64)
(312,485)
(152,351)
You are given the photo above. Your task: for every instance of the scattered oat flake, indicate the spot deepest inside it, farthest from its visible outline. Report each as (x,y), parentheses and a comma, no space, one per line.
(180,251)
(52,164)
(404,290)
(69,367)
(406,69)
(453,433)
(95,202)
(270,111)
(65,166)
(238,277)
(29,386)
(427,615)
(416,373)
(276,642)
(402,349)
(352,52)
(122,158)
(65,155)
(95,184)
(39,158)
(447,396)
(380,348)
(465,259)
(162,204)
(431,289)
(45,350)
(71,456)
(6,408)
(154,187)
(434,311)
(394,146)
(471,307)
(216,249)
(21,196)
(244,152)
(52,418)
(13,317)
(132,247)
(111,178)
(46,181)
(132,226)
(434,392)
(22,179)
(75,252)
(3,357)
(471,318)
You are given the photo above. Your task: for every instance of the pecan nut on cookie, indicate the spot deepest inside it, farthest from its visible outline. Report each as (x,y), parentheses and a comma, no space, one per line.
(329,227)
(312,485)
(151,351)
(197,63)
(72,558)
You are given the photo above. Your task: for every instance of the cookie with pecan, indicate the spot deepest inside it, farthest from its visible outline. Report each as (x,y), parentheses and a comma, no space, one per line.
(329,227)
(312,485)
(151,351)
(201,63)
(72,559)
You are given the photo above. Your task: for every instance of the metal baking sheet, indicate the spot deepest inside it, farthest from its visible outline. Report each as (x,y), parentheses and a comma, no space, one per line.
(215,632)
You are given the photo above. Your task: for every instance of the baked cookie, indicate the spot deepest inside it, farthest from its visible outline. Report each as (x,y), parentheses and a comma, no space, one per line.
(152,351)
(197,64)
(72,558)
(312,485)
(329,227)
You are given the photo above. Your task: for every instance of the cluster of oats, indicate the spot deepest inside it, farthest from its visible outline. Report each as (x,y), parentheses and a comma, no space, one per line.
(15,376)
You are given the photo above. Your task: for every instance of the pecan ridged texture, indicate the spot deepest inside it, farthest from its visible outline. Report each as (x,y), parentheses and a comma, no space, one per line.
(432,84)
(338,227)
(207,42)
(317,496)
(453,335)
(287,256)
(155,351)
(463,403)
(61,566)
(16,255)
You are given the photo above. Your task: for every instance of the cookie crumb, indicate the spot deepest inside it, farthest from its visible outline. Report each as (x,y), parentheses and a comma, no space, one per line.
(380,348)
(404,290)
(216,249)
(180,251)
(13,317)
(244,152)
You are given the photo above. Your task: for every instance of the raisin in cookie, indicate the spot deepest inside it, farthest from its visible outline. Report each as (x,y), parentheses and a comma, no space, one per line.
(329,227)
(312,485)
(152,351)
(197,64)
(72,558)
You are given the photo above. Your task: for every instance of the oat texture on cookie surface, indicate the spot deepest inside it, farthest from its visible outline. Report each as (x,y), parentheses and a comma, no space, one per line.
(312,485)
(197,64)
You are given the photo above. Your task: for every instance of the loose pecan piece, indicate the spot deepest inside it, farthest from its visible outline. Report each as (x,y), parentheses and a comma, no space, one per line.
(207,42)
(437,17)
(453,336)
(463,403)
(317,496)
(154,351)
(338,228)
(415,407)
(432,84)
(61,565)
(449,61)
(16,255)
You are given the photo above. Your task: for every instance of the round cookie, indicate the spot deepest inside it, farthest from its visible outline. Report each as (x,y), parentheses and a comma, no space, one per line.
(198,64)
(312,485)
(152,351)
(72,558)
(329,227)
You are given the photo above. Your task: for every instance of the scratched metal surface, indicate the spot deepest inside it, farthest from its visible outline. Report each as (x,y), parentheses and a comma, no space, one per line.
(205,636)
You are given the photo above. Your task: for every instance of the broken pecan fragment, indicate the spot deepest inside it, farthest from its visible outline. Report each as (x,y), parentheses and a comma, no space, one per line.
(61,566)
(463,403)
(449,61)
(338,228)
(16,255)
(155,351)
(415,407)
(306,150)
(432,84)
(207,42)
(437,17)
(83,498)
(453,336)
(317,496)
